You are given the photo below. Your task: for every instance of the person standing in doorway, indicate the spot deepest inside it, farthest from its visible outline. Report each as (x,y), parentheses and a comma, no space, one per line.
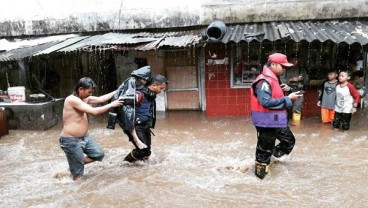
(295,78)
(145,119)
(327,97)
(347,100)
(75,140)
(269,113)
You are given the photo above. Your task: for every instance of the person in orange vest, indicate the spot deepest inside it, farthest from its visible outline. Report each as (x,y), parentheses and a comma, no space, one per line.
(269,113)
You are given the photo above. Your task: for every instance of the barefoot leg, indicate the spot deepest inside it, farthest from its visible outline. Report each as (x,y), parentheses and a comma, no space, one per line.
(139,143)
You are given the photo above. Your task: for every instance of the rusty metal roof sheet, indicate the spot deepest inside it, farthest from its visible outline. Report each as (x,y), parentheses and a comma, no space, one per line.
(180,41)
(143,40)
(336,31)
(120,41)
(174,41)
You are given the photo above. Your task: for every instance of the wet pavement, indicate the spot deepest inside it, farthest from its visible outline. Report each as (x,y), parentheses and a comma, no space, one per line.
(196,162)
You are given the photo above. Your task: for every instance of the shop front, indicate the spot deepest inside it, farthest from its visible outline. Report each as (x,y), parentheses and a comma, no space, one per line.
(313,48)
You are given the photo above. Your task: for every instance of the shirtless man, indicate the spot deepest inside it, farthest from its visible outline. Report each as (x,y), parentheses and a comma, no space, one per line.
(75,139)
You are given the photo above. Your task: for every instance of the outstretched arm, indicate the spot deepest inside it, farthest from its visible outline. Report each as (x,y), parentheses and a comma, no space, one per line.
(101,99)
(84,107)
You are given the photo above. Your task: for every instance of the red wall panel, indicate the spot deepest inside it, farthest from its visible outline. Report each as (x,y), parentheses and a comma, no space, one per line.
(222,100)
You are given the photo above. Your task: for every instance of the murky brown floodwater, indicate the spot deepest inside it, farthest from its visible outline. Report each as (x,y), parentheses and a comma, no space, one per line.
(196,162)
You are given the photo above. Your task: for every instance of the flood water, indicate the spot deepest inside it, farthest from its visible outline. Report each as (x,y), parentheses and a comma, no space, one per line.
(196,162)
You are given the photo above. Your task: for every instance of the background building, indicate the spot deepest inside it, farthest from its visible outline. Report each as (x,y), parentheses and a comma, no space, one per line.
(50,45)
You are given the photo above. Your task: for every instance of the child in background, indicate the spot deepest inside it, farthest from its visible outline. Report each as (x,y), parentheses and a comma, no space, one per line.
(347,100)
(358,82)
(328,97)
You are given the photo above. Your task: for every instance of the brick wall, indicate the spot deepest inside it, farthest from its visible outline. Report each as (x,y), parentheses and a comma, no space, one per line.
(222,100)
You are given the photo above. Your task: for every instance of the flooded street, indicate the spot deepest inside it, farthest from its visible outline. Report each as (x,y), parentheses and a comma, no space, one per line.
(196,162)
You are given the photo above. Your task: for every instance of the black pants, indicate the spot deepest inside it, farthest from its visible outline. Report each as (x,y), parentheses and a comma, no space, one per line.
(144,134)
(266,142)
(343,120)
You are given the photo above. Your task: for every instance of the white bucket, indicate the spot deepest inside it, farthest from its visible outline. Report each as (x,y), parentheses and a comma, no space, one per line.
(17,94)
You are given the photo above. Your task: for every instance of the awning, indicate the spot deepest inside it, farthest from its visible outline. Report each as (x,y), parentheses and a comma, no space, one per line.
(336,31)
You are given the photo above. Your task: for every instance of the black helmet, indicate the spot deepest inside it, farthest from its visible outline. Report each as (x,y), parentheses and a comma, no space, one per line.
(143,73)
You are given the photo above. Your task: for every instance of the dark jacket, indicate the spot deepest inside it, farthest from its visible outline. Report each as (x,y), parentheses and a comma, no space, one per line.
(127,91)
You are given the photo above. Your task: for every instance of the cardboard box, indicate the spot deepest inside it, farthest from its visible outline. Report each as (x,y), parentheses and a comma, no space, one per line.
(17,94)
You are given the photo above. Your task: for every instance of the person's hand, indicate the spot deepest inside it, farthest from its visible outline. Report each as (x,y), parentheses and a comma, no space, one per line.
(319,103)
(295,95)
(117,103)
(294,79)
(285,87)
(353,110)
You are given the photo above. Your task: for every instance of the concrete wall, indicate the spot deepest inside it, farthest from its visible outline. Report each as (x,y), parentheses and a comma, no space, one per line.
(36,17)
(280,10)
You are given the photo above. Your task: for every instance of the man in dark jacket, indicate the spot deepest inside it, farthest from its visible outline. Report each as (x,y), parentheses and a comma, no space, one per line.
(128,92)
(145,118)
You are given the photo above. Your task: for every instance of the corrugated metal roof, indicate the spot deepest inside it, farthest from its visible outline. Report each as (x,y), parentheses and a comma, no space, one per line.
(69,43)
(21,53)
(178,41)
(345,31)
(81,44)
(6,45)
(145,40)
(337,31)
(22,48)
(149,46)
(61,45)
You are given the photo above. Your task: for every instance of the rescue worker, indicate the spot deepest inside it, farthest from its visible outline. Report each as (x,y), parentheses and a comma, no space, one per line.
(269,113)
(145,119)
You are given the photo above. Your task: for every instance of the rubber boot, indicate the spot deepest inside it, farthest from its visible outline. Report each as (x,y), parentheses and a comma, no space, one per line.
(111,120)
(261,169)
(130,158)
(277,152)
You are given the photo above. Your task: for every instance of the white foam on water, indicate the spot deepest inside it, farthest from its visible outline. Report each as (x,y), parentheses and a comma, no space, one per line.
(360,139)
(189,167)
